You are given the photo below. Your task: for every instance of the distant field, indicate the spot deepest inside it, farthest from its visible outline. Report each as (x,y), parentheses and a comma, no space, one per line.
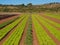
(30,29)
(55,15)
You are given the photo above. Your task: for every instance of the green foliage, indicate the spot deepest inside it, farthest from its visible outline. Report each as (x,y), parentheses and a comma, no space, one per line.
(43,37)
(52,29)
(8,22)
(29,38)
(15,37)
(53,15)
(29,5)
(6,29)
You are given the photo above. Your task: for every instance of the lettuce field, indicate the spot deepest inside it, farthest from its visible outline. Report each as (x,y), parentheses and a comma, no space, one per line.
(30,29)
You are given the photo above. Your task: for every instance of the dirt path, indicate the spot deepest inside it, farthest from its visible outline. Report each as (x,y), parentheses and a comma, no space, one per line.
(24,34)
(50,18)
(49,33)
(35,39)
(52,25)
(7,19)
(9,33)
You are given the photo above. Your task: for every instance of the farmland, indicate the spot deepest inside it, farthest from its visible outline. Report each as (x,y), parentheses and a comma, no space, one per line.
(30,29)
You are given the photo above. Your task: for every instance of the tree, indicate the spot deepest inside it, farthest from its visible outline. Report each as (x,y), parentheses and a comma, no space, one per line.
(29,5)
(22,5)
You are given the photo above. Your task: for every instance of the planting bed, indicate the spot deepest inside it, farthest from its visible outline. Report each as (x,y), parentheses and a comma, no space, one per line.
(8,22)
(30,29)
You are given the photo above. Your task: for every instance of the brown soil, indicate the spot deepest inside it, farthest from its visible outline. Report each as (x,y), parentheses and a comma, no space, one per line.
(35,39)
(7,19)
(3,13)
(9,33)
(50,18)
(49,33)
(6,16)
(52,24)
(24,34)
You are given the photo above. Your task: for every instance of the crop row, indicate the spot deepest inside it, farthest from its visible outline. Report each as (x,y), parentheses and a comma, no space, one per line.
(52,29)
(15,37)
(42,36)
(50,21)
(53,15)
(9,27)
(8,22)
(29,38)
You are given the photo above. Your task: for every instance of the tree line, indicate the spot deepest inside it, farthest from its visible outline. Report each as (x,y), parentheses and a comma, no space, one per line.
(27,8)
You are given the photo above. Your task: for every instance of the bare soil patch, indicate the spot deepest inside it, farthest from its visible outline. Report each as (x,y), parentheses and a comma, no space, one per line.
(7,19)
(6,16)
